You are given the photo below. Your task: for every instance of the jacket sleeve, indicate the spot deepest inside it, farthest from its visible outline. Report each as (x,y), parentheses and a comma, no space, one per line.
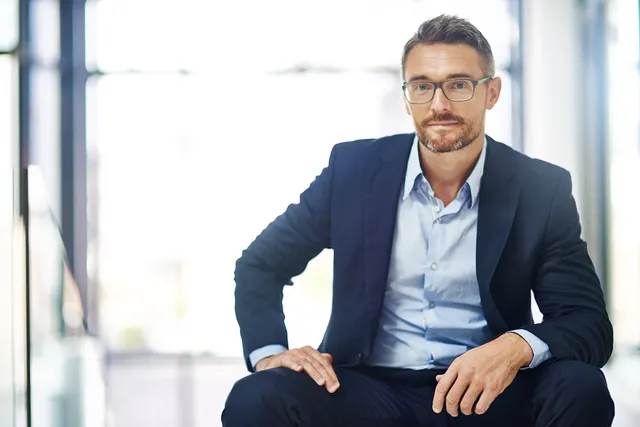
(280,252)
(575,324)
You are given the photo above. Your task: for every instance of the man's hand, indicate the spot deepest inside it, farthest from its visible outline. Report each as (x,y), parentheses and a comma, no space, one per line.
(317,365)
(481,375)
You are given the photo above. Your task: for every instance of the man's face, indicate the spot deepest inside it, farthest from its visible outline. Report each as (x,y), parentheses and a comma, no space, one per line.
(443,125)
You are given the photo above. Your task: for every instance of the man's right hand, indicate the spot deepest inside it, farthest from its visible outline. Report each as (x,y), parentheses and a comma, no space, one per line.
(317,365)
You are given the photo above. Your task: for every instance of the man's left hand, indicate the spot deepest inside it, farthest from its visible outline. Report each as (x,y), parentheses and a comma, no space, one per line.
(481,374)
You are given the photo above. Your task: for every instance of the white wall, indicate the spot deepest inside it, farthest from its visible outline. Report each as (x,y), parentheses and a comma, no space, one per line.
(624,175)
(560,103)
(558,99)
(551,102)
(553,85)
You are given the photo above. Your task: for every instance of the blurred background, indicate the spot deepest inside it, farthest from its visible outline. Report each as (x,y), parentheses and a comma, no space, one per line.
(132,132)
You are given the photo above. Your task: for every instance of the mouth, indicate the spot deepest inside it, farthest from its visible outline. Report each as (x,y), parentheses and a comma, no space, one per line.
(442,124)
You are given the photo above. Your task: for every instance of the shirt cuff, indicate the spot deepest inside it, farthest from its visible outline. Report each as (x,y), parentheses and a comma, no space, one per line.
(266,351)
(541,352)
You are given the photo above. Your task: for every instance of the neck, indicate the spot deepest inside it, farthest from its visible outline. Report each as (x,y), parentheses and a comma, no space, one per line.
(447,172)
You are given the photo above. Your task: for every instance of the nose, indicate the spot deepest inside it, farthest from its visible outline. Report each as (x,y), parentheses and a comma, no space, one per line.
(440,102)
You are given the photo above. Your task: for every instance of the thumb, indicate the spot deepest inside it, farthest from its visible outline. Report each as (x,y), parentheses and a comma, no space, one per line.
(438,377)
(328,357)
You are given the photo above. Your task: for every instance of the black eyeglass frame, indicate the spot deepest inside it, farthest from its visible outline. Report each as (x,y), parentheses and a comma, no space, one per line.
(440,85)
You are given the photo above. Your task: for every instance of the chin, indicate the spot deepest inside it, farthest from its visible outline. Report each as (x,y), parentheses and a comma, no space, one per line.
(442,148)
(444,143)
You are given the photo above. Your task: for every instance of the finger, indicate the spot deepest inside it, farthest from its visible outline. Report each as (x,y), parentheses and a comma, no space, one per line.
(438,377)
(326,378)
(327,361)
(331,372)
(485,401)
(312,371)
(455,395)
(312,365)
(445,383)
(323,366)
(470,397)
(324,363)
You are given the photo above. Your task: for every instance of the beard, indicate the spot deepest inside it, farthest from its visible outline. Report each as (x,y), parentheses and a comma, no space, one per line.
(446,141)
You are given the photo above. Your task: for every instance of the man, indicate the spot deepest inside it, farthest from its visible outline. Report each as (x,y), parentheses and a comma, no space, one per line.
(439,237)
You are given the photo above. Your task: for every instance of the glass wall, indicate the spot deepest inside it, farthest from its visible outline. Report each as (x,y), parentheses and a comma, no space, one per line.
(67,388)
(8,77)
(12,302)
(624,166)
(8,134)
(60,366)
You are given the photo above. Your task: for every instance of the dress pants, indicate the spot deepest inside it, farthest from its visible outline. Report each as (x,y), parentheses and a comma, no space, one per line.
(560,393)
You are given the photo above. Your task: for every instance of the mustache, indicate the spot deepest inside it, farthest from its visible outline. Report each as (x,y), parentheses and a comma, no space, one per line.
(442,118)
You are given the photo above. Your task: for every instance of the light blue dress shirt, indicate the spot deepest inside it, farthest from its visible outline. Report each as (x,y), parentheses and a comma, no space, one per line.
(432,311)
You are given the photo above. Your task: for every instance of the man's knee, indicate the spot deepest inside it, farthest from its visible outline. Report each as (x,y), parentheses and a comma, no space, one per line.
(582,387)
(250,399)
(585,381)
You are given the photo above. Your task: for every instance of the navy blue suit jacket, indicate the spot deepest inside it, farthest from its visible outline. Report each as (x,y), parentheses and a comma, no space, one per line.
(528,239)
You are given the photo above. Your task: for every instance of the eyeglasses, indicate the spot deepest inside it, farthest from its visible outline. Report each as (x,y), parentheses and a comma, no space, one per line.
(456,90)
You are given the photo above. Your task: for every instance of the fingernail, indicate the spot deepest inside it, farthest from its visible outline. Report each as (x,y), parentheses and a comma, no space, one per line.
(320,382)
(436,410)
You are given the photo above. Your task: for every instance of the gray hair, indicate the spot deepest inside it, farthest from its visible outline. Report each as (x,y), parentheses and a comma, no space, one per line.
(449,29)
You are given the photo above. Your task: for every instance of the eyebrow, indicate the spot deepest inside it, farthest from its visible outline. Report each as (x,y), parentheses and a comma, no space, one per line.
(449,77)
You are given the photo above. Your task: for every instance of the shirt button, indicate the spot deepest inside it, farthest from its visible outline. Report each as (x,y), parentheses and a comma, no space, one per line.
(434,266)
(432,304)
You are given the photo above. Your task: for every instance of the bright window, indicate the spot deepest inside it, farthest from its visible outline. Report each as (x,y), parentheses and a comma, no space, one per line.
(8,24)
(205,123)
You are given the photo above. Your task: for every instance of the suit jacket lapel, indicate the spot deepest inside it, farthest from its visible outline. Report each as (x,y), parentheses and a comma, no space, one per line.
(498,201)
(385,181)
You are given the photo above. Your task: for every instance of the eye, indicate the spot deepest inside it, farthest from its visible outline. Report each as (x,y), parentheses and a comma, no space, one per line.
(422,87)
(459,85)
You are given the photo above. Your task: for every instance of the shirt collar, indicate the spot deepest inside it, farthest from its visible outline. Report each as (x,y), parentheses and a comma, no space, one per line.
(414,170)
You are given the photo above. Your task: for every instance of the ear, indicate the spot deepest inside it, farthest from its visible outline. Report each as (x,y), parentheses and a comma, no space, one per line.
(407,107)
(494,87)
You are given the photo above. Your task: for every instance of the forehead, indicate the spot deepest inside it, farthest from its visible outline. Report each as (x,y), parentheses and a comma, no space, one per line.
(442,61)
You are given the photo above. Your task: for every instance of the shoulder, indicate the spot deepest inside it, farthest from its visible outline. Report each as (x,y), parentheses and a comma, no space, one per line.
(531,172)
(382,145)
(354,157)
